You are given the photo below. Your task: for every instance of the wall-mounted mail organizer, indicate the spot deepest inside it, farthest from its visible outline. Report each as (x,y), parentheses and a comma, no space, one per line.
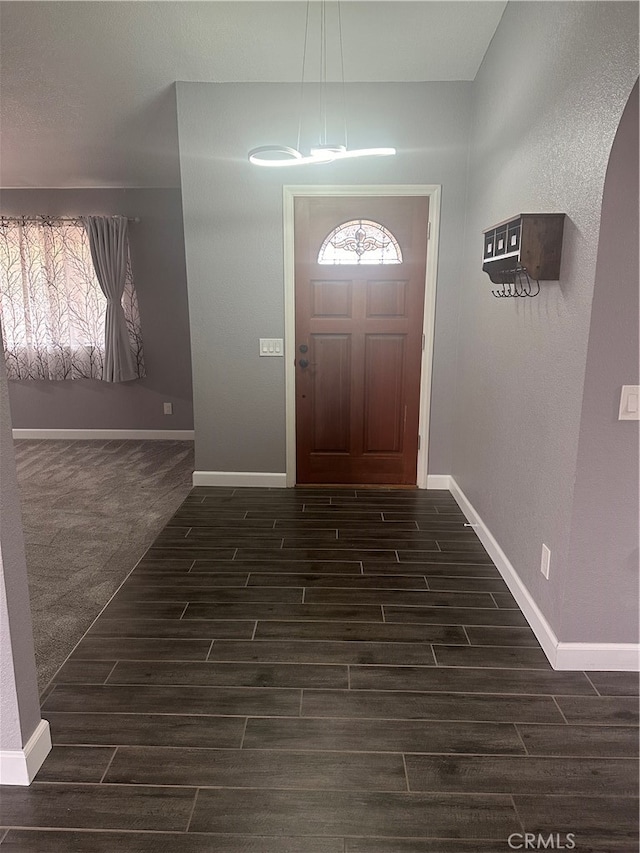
(521,252)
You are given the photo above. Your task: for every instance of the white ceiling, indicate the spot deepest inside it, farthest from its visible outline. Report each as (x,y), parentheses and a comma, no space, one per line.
(86,97)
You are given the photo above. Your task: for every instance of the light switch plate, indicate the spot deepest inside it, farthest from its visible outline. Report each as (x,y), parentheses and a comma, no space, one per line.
(271,347)
(629,403)
(545,561)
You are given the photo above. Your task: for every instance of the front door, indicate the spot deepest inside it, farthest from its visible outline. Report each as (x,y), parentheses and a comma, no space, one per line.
(360,268)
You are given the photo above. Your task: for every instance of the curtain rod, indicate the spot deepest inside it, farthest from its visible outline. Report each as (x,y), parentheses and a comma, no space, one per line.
(53,218)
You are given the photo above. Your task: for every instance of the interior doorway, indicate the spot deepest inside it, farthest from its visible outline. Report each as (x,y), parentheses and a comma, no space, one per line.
(360,267)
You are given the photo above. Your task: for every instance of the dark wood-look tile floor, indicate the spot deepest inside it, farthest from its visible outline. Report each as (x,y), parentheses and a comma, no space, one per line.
(320,671)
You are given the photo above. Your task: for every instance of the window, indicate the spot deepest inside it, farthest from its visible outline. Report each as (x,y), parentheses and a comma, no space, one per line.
(360,241)
(52,308)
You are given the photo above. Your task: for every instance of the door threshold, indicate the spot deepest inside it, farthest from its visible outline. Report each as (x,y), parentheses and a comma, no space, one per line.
(383,486)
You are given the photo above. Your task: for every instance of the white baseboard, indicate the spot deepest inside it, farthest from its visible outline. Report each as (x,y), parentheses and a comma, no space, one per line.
(239,479)
(439,481)
(601,657)
(610,657)
(102,434)
(19,766)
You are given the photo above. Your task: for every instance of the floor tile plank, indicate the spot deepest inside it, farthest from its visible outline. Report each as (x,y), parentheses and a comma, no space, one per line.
(382,735)
(239,674)
(465,584)
(470,543)
(333,567)
(62,841)
(344,813)
(454,615)
(416,541)
(124,648)
(185,699)
(360,526)
(246,768)
(417,556)
(178,730)
(317,554)
(586,741)
(190,592)
(178,629)
(171,552)
(279,611)
(125,608)
(148,579)
(398,597)
(371,704)
(458,845)
(97,807)
(483,635)
(84,671)
(602,817)
(433,570)
(359,632)
(213,537)
(75,764)
(320,651)
(194,516)
(603,710)
(502,657)
(616,683)
(506,600)
(370,582)
(514,775)
(478,680)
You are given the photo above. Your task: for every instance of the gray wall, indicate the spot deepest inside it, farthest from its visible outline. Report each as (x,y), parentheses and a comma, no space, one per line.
(234,237)
(157,259)
(547,103)
(19,704)
(601,587)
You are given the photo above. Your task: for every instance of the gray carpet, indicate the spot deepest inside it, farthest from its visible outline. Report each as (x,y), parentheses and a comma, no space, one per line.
(90,510)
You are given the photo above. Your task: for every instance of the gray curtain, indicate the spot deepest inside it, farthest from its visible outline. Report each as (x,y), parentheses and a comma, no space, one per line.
(109,245)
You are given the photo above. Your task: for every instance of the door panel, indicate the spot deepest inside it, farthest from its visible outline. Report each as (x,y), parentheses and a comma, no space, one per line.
(386,298)
(331,298)
(331,360)
(358,345)
(384,397)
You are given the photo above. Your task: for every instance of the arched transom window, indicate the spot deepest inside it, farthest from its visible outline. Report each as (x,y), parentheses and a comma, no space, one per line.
(360,241)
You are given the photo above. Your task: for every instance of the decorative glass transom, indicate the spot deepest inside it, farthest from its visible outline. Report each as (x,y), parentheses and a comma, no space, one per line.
(360,241)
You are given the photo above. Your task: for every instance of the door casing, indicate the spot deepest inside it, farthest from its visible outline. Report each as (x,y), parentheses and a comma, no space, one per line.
(433,193)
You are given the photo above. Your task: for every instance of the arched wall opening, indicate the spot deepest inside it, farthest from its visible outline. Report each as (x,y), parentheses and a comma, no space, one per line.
(601,588)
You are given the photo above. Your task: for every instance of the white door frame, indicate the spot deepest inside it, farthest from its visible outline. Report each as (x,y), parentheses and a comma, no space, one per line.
(433,193)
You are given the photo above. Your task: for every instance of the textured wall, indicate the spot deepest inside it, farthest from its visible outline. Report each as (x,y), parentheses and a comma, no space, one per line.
(547,103)
(601,584)
(233,238)
(157,258)
(19,705)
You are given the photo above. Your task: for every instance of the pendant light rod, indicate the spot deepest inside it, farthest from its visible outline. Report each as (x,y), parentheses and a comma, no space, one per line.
(344,90)
(304,62)
(324,151)
(323,75)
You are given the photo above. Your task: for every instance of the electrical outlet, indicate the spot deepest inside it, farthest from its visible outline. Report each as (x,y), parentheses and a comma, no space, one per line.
(545,562)
(168,408)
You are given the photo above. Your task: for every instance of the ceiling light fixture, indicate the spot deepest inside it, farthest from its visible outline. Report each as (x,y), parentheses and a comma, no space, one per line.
(277,156)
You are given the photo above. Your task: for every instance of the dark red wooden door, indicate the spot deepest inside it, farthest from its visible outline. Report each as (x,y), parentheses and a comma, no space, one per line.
(359,344)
